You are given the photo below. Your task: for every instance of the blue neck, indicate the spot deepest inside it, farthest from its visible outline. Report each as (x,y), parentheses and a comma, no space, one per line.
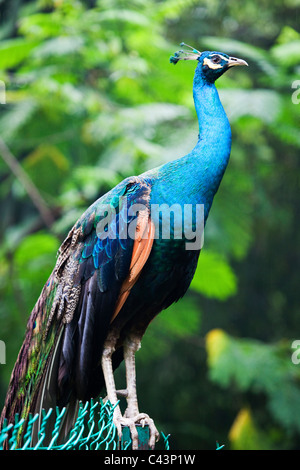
(213,122)
(195,178)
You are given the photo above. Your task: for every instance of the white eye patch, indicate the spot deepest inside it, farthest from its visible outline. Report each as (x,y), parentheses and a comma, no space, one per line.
(211,65)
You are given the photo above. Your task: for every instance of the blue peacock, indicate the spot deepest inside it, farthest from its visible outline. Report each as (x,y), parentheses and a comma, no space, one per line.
(106,288)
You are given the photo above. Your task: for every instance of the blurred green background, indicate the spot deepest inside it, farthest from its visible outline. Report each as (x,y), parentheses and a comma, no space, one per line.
(90,99)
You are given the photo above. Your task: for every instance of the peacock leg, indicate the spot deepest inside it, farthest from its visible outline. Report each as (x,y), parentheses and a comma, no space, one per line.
(131,346)
(132,415)
(106,363)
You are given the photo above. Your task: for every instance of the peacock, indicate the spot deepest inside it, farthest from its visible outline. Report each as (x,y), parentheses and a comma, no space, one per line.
(117,269)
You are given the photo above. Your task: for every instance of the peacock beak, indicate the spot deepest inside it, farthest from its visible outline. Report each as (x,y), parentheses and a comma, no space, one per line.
(232,61)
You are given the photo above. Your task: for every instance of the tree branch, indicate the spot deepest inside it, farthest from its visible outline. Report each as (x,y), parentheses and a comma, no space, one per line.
(27,184)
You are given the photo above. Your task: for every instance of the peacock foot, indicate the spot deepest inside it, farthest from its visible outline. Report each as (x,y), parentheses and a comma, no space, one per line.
(141,419)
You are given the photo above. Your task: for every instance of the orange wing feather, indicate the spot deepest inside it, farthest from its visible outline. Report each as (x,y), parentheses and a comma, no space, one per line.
(144,237)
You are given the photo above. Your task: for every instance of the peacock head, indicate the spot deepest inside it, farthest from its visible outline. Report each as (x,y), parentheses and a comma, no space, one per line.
(211,65)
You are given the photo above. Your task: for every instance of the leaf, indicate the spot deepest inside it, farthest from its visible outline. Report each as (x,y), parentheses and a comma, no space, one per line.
(284,404)
(34,260)
(173,8)
(245,435)
(133,120)
(249,363)
(45,151)
(34,253)
(91,179)
(217,343)
(40,25)
(287,54)
(254,366)
(124,16)
(181,319)
(214,277)
(287,35)
(59,46)
(262,104)
(153,114)
(14,51)
(16,117)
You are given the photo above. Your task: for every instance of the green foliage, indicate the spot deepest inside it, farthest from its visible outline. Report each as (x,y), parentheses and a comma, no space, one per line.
(33,259)
(15,51)
(245,434)
(254,366)
(91,98)
(214,277)
(156,342)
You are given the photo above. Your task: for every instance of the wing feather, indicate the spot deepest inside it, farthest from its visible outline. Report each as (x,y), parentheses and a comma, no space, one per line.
(141,250)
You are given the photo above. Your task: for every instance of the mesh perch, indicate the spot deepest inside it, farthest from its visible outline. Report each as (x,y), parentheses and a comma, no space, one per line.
(93,430)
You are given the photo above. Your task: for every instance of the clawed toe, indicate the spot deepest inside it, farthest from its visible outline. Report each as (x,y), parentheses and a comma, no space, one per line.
(143,420)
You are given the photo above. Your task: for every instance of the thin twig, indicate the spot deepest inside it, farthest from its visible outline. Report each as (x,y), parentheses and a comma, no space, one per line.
(27,183)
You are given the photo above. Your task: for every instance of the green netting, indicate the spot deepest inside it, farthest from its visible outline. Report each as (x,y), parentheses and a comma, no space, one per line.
(93,430)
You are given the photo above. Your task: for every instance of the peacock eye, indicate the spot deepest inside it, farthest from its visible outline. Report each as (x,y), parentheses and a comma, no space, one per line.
(216,59)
